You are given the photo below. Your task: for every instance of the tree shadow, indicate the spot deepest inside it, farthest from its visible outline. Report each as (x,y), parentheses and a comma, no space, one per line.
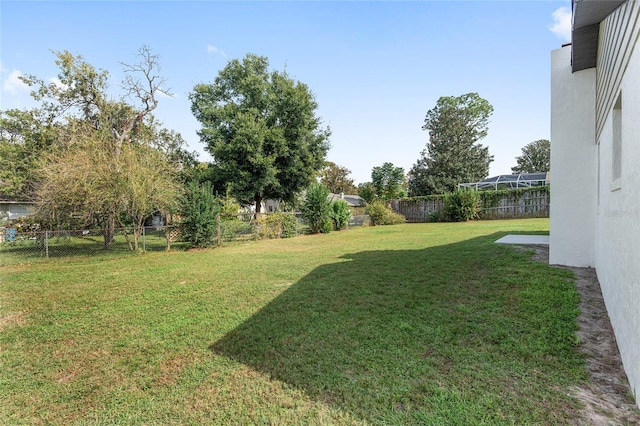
(380,332)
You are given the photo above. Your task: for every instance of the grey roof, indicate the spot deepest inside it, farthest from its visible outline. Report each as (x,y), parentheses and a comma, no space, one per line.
(5,199)
(352,200)
(587,15)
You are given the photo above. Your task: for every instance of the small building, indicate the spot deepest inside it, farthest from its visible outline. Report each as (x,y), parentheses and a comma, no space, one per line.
(13,209)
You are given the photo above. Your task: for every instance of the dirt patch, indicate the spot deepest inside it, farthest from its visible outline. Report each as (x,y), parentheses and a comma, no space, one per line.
(607,397)
(13,319)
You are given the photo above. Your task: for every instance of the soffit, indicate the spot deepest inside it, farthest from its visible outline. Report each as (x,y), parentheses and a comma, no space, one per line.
(587,15)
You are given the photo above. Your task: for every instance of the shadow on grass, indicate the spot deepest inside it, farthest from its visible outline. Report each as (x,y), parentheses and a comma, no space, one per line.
(454,334)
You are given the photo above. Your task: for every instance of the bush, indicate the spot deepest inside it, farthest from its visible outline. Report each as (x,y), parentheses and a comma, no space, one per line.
(317,209)
(340,213)
(380,214)
(200,212)
(277,225)
(327,226)
(461,205)
(24,224)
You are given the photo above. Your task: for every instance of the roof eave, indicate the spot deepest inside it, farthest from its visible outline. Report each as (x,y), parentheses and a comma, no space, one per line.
(586,18)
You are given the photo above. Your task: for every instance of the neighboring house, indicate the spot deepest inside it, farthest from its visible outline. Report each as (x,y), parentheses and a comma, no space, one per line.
(595,161)
(269,206)
(13,209)
(272,206)
(352,200)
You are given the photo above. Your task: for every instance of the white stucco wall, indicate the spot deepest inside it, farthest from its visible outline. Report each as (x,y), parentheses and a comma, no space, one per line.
(617,249)
(573,163)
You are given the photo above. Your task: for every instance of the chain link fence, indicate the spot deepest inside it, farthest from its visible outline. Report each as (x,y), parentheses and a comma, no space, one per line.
(18,247)
(29,246)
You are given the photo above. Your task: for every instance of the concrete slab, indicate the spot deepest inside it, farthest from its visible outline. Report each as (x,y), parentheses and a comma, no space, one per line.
(524,239)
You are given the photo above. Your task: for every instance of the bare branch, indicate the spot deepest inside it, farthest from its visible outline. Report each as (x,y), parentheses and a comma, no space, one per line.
(143,83)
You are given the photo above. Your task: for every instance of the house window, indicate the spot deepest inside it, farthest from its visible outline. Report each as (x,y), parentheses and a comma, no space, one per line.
(616,154)
(18,209)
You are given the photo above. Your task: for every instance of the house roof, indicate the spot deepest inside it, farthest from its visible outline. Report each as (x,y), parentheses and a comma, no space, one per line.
(587,15)
(352,200)
(5,199)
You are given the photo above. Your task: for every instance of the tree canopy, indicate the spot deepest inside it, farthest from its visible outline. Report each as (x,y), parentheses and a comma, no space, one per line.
(108,161)
(367,192)
(336,178)
(453,154)
(535,157)
(388,181)
(261,128)
(24,137)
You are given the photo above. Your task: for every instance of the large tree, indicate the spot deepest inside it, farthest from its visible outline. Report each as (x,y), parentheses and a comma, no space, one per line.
(536,157)
(453,154)
(111,162)
(367,192)
(24,137)
(261,128)
(336,178)
(388,181)
(86,183)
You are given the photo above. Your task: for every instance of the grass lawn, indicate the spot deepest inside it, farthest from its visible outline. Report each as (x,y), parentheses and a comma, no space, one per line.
(406,324)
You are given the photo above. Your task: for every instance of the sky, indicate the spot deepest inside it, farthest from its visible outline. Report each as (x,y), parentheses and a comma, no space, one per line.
(375,67)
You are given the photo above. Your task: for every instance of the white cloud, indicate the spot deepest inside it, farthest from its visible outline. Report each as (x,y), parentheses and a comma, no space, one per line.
(56,81)
(561,25)
(13,85)
(212,49)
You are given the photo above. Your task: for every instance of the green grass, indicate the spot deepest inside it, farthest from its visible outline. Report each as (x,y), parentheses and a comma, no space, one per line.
(406,324)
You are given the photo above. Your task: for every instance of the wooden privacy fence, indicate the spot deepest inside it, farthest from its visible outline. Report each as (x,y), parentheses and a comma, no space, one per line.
(530,203)
(502,204)
(418,210)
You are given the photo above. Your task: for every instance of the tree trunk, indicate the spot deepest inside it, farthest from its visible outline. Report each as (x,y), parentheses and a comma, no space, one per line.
(136,238)
(137,232)
(109,232)
(258,200)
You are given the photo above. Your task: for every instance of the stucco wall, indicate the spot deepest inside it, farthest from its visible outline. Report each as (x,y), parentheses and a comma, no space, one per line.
(617,256)
(573,163)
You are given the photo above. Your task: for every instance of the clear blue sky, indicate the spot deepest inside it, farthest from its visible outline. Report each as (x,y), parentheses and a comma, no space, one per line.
(376,68)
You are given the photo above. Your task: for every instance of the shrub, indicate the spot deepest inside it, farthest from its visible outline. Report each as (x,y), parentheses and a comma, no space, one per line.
(277,225)
(200,212)
(4,217)
(327,226)
(317,209)
(461,205)
(24,223)
(340,213)
(380,214)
